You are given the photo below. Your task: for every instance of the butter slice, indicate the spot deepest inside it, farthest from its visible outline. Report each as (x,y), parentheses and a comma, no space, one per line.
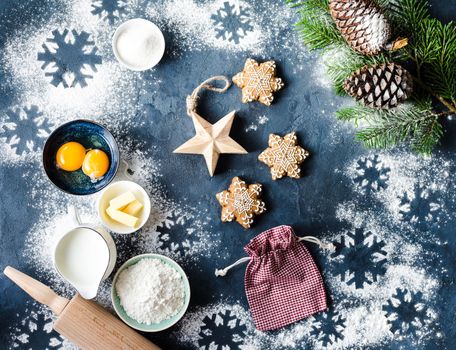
(122,201)
(121,217)
(133,208)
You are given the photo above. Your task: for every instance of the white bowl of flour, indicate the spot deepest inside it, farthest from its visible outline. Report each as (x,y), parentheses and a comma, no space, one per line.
(150,292)
(138,44)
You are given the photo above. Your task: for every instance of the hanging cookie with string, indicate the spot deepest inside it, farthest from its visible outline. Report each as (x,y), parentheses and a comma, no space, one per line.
(210,140)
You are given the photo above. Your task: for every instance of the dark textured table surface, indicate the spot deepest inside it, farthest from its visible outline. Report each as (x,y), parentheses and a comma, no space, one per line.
(391,281)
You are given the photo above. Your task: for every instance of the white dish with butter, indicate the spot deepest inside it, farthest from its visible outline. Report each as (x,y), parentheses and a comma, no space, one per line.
(123,201)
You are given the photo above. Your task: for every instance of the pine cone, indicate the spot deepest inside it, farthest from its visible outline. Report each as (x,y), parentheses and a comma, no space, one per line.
(380,86)
(363,25)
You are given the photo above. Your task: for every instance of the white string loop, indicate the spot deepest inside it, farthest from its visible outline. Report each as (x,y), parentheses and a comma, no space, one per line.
(192,100)
(312,239)
(328,246)
(222,272)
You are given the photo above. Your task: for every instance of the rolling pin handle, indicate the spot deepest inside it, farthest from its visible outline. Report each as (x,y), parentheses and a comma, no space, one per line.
(37,290)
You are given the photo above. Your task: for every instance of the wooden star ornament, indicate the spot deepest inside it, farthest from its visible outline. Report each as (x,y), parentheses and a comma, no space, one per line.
(241,202)
(258,81)
(284,156)
(210,140)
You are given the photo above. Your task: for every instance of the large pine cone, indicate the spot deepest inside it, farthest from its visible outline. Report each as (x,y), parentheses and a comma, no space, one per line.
(362,24)
(380,86)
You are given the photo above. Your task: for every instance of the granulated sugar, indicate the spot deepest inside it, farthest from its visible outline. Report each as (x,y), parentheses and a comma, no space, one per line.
(150,291)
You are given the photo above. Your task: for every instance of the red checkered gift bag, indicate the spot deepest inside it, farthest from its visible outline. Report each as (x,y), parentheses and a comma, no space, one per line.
(282,282)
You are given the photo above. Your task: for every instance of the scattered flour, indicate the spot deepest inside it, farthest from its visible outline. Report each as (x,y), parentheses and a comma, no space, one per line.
(111,89)
(201,24)
(399,275)
(111,94)
(150,291)
(261,120)
(173,229)
(35,320)
(412,188)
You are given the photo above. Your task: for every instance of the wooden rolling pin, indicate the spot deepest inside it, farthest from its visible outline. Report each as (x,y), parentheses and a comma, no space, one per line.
(81,321)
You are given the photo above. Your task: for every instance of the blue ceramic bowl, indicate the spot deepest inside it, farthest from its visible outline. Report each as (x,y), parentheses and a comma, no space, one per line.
(155,327)
(90,135)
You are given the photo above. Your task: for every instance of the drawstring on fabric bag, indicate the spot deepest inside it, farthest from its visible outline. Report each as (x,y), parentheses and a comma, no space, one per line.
(312,239)
(222,272)
(328,246)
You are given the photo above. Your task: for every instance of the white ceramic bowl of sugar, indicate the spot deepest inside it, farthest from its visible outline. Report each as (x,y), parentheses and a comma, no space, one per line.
(116,189)
(138,44)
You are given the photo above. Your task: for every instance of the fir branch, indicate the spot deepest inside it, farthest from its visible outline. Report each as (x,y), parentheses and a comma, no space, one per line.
(449,105)
(317,34)
(310,6)
(427,135)
(405,15)
(316,26)
(440,67)
(432,47)
(353,113)
(411,121)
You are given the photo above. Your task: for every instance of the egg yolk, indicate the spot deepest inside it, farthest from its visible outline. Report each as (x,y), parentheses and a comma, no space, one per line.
(70,156)
(96,164)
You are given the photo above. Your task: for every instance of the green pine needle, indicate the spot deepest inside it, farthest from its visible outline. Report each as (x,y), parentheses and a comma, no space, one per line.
(432,48)
(413,121)
(405,15)
(439,61)
(316,26)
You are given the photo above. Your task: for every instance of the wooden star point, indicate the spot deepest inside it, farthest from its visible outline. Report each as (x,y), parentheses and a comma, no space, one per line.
(211,140)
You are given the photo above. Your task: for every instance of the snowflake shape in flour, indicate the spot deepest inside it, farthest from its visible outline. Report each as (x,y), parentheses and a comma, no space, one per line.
(231,22)
(109,10)
(25,129)
(221,330)
(371,174)
(362,258)
(174,238)
(241,202)
(34,331)
(328,327)
(406,312)
(284,156)
(421,206)
(69,58)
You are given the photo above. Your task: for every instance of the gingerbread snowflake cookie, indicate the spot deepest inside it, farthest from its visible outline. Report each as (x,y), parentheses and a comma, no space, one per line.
(241,202)
(258,81)
(284,156)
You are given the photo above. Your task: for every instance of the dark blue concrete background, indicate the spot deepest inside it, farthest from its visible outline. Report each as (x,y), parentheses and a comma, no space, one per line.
(308,205)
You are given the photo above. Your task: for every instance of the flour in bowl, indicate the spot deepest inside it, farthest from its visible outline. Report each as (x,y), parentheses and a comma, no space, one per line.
(150,291)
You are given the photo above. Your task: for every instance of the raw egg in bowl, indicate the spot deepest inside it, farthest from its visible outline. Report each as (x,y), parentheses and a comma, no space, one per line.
(81,157)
